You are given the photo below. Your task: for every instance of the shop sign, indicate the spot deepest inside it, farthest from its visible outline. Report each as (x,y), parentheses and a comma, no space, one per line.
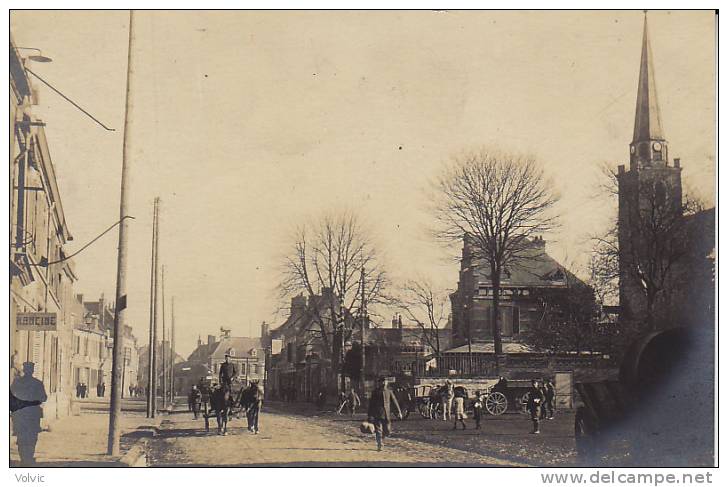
(36,321)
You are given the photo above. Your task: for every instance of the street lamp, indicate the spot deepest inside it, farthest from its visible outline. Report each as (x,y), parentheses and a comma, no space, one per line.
(39,58)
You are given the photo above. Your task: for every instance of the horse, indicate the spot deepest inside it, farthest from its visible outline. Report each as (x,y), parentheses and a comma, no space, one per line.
(221,402)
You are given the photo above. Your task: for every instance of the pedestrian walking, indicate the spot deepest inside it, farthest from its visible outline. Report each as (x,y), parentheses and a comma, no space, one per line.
(478,407)
(253,414)
(459,402)
(535,399)
(549,397)
(379,412)
(26,421)
(354,401)
(103,389)
(194,400)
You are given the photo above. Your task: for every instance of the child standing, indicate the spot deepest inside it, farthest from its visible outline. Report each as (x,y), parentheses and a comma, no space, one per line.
(478,409)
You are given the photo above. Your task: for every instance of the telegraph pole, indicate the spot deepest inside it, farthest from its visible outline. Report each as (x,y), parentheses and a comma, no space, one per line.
(121,296)
(152,304)
(363,341)
(155,368)
(172,353)
(164,352)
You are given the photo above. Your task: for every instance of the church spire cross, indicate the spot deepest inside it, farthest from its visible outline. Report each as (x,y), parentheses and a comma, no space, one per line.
(648,141)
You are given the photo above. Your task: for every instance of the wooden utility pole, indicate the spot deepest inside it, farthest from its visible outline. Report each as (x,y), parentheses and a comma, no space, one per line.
(164,348)
(121,296)
(172,354)
(155,355)
(152,305)
(363,338)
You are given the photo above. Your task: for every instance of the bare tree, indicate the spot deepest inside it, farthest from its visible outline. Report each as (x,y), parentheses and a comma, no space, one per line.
(334,263)
(427,308)
(501,202)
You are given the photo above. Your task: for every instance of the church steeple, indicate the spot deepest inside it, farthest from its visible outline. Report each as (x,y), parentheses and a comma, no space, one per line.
(648,145)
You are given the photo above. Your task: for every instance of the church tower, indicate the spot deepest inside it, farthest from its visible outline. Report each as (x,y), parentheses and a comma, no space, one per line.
(650,184)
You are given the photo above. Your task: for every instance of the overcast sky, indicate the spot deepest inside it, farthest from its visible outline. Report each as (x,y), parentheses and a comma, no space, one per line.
(244,123)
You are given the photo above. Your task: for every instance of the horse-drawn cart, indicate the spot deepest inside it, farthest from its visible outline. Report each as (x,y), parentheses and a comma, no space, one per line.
(505,395)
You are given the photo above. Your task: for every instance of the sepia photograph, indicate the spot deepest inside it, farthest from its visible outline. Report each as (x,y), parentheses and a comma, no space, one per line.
(363,238)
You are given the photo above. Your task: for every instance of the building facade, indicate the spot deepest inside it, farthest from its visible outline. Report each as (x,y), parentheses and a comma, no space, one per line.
(41,278)
(472,302)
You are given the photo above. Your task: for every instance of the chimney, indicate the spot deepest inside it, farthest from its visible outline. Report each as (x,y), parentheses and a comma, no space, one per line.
(298,304)
(399,322)
(467,246)
(210,339)
(394,321)
(264,329)
(199,341)
(620,169)
(677,162)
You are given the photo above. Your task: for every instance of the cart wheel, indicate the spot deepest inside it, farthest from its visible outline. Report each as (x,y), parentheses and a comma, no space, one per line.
(523,404)
(496,403)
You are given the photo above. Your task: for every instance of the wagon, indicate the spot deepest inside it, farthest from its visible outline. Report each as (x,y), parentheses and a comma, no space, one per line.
(507,395)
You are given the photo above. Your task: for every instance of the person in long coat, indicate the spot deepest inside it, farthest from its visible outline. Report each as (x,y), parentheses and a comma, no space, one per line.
(379,412)
(26,421)
(535,399)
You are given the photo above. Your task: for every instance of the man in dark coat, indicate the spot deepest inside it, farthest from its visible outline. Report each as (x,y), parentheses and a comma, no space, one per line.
(194,400)
(227,373)
(535,400)
(379,412)
(256,404)
(26,421)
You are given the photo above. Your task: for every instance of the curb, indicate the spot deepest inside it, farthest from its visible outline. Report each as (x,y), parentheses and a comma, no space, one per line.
(137,454)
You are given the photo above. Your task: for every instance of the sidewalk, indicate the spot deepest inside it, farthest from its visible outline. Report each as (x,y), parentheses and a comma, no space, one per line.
(81,441)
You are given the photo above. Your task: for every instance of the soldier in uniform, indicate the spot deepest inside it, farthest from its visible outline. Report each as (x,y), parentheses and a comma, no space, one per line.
(227,373)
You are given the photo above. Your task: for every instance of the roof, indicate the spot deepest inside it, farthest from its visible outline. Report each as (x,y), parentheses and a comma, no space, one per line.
(241,345)
(535,268)
(647,123)
(488,347)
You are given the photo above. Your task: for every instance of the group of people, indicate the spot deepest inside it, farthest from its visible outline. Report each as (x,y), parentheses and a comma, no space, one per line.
(540,402)
(250,399)
(451,400)
(82,390)
(136,391)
